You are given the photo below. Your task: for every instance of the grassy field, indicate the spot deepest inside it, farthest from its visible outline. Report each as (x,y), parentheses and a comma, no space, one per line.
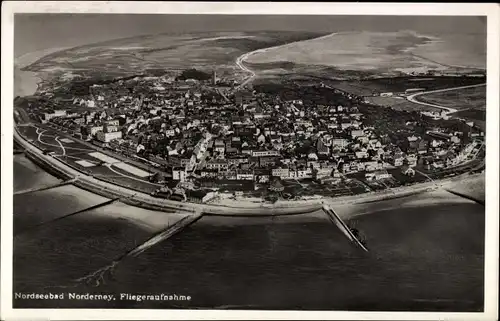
(473,114)
(369,87)
(194,50)
(473,98)
(399,103)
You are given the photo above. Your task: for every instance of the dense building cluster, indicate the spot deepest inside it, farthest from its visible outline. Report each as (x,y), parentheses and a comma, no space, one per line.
(195,129)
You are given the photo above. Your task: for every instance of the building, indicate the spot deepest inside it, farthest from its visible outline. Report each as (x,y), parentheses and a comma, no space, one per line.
(107,137)
(276,185)
(243,97)
(439,136)
(92,130)
(264,153)
(214,77)
(245,175)
(218,164)
(281,172)
(322,148)
(378,175)
(56,113)
(411,160)
(357,133)
(179,174)
(340,142)
(408,171)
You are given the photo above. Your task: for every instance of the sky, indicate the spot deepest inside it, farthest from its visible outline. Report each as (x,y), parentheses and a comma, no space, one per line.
(34,32)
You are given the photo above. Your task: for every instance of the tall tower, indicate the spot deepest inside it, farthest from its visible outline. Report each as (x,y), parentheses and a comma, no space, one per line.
(214,77)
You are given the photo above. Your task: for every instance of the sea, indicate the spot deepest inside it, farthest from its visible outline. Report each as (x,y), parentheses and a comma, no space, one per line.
(426,253)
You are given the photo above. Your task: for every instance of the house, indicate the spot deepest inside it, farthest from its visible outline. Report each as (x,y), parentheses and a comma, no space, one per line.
(322,148)
(340,142)
(422,146)
(261,175)
(411,160)
(281,172)
(179,174)
(323,172)
(361,154)
(245,175)
(276,185)
(219,146)
(397,160)
(263,153)
(438,164)
(378,175)
(303,173)
(408,171)
(372,165)
(356,133)
(218,164)
(261,139)
(266,161)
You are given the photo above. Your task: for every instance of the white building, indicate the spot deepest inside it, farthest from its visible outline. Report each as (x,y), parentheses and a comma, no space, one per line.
(107,137)
(263,153)
(378,175)
(94,129)
(282,173)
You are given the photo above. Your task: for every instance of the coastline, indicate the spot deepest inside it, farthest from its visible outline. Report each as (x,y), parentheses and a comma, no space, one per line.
(26,82)
(234,208)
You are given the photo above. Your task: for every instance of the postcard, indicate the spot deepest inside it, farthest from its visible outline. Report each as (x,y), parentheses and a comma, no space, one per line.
(187,160)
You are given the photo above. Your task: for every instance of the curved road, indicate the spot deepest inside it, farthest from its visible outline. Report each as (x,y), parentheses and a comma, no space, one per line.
(242,58)
(449,110)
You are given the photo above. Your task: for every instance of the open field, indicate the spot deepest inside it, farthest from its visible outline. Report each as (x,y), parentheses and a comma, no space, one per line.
(399,103)
(473,98)
(472,114)
(369,87)
(196,50)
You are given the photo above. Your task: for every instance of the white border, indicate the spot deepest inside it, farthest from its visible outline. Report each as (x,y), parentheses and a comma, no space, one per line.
(448,9)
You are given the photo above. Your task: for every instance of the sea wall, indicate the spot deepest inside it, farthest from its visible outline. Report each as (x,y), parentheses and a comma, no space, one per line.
(232,208)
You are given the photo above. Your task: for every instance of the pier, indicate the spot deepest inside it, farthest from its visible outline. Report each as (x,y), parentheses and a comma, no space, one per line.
(338,222)
(34,227)
(97,278)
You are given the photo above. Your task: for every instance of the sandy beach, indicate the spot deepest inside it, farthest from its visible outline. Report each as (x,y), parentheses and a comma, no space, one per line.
(26,82)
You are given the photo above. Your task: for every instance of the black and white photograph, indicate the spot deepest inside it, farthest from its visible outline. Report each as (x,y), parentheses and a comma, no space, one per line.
(250,161)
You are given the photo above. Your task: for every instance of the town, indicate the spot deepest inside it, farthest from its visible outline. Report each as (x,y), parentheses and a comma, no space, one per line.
(195,137)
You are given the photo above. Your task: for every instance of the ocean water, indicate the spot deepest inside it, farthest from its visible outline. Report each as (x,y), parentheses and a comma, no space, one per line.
(422,258)
(28,175)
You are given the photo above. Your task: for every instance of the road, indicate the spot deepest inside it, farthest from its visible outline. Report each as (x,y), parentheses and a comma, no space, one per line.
(413,98)
(240,60)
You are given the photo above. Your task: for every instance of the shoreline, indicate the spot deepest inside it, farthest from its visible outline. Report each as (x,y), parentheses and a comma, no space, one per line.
(26,82)
(233,208)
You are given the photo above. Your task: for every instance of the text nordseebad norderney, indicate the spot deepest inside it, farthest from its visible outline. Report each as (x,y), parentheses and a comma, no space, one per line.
(101,297)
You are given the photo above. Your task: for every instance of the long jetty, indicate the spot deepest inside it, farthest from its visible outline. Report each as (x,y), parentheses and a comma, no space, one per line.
(34,227)
(96,278)
(43,188)
(338,222)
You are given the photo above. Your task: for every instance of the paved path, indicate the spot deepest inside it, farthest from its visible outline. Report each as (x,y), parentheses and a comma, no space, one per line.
(242,58)
(413,98)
